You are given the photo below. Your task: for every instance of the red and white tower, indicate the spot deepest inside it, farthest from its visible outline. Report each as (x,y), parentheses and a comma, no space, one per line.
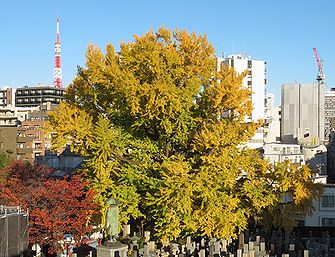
(58,66)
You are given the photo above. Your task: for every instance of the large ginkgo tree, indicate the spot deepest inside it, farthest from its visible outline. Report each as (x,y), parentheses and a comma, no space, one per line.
(163,129)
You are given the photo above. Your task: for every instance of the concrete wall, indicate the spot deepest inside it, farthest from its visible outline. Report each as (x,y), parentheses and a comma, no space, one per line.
(316,158)
(322,212)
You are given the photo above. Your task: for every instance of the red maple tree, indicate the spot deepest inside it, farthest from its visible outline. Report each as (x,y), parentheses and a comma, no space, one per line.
(19,180)
(56,206)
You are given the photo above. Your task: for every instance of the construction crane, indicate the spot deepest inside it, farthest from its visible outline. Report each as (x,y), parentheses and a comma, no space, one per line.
(321,76)
(321,86)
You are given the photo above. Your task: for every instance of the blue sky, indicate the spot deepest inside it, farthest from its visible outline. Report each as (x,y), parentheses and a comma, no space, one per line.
(281,32)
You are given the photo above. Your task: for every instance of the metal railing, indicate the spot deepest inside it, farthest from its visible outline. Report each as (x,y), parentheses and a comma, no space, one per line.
(7,210)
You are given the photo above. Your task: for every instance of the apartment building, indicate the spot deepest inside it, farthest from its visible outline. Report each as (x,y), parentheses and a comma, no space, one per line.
(256,82)
(29,96)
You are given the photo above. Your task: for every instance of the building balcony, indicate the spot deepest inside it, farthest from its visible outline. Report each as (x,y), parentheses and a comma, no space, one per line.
(23,150)
(24,139)
(8,124)
(8,115)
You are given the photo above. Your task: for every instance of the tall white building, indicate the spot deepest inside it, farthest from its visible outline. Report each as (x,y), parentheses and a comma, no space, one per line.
(255,81)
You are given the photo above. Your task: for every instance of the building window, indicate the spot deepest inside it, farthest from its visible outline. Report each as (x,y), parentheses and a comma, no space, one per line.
(38,145)
(327,201)
(48,91)
(328,222)
(249,64)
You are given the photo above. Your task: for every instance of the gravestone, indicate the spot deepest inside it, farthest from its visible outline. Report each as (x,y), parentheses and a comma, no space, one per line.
(217,248)
(126,230)
(224,245)
(251,245)
(202,253)
(174,249)
(152,246)
(240,241)
(202,242)
(145,250)
(146,236)
(256,250)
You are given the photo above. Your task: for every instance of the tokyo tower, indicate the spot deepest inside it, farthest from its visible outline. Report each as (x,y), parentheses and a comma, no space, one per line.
(58,67)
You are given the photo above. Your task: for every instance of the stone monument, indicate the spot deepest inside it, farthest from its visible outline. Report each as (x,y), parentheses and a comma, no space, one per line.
(112,248)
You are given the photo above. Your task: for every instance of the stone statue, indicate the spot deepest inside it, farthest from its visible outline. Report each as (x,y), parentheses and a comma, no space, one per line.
(112,219)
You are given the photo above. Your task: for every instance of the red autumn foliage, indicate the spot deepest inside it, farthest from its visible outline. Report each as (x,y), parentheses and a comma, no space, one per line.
(18,180)
(56,207)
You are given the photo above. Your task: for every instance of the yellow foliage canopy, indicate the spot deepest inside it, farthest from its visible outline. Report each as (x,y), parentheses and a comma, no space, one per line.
(163,131)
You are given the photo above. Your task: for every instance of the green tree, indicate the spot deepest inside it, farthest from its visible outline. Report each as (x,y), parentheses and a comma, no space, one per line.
(4,162)
(164,132)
